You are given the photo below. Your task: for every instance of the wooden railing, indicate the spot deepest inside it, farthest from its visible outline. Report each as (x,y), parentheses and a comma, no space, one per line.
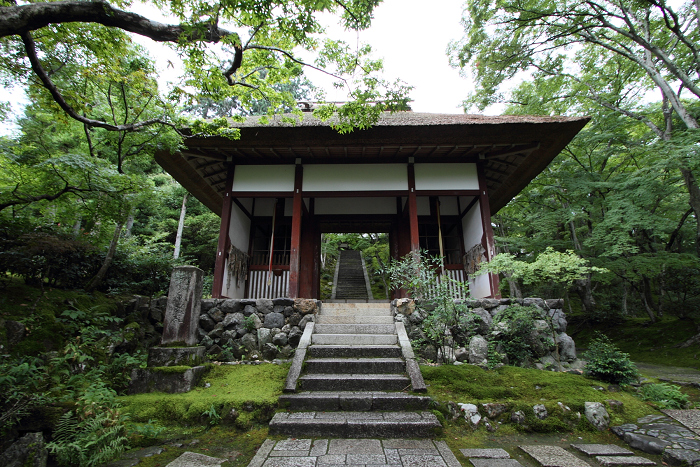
(259,288)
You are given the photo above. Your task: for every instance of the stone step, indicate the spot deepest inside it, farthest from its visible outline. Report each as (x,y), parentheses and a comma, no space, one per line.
(355,328)
(356,424)
(354,382)
(355,365)
(352,319)
(354,339)
(353,400)
(354,351)
(347,310)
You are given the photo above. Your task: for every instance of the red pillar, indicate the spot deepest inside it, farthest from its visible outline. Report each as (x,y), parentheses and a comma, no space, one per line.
(488,241)
(223,244)
(296,234)
(412,209)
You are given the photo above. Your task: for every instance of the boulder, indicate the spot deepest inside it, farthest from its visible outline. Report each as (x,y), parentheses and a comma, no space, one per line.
(478,350)
(264,305)
(305,320)
(283,301)
(280,339)
(538,302)
(232,320)
(518,417)
(208,304)
(304,306)
(257,323)
(216,314)
(461,354)
(486,319)
(597,415)
(264,337)
(567,348)
(269,351)
(471,414)
(494,409)
(558,319)
(28,451)
(15,332)
(274,320)
(294,336)
(249,310)
(206,322)
(249,341)
(540,411)
(230,306)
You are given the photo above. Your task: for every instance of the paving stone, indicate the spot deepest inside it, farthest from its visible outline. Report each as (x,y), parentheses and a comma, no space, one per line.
(407,444)
(289,453)
(423,461)
(553,456)
(293,445)
(602,450)
(262,453)
(290,462)
(477,462)
(447,454)
(681,457)
(392,456)
(365,459)
(192,459)
(644,443)
(355,446)
(319,448)
(623,460)
(496,453)
(419,452)
(689,418)
(334,459)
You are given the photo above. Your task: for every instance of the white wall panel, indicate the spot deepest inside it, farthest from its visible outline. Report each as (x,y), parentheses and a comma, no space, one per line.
(239,233)
(355,177)
(448,206)
(261,178)
(452,176)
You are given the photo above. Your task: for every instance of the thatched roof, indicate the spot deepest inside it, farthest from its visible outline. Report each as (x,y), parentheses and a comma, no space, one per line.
(515,148)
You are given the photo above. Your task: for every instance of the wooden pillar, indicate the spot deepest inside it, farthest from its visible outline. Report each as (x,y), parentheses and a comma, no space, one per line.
(295,251)
(310,257)
(488,241)
(224,241)
(412,209)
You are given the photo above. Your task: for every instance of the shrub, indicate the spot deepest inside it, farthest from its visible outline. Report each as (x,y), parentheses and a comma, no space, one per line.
(666,396)
(606,363)
(513,334)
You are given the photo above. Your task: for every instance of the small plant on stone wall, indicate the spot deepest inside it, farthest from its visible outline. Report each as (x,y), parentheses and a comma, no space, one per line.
(418,274)
(514,334)
(249,323)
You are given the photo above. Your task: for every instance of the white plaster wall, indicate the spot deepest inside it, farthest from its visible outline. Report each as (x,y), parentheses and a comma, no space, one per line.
(239,234)
(264,206)
(448,206)
(355,205)
(452,176)
(473,231)
(260,178)
(355,177)
(423,205)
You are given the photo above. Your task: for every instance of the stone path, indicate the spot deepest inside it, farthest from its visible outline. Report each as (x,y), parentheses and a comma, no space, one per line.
(355,452)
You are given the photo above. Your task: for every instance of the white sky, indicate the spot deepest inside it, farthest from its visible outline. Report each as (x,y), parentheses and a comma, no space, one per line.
(408,35)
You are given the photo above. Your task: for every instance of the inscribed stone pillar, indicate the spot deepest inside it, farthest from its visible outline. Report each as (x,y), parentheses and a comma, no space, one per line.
(184,306)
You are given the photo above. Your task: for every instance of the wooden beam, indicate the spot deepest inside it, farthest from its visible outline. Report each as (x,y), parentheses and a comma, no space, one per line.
(412,209)
(223,243)
(295,250)
(488,240)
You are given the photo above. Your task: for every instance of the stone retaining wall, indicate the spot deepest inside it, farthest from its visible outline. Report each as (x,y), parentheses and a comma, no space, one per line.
(551,326)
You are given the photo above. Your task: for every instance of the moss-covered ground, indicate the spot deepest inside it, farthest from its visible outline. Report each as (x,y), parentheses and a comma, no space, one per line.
(645,342)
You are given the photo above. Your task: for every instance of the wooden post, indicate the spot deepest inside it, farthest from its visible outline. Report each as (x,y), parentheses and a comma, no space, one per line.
(412,209)
(297,212)
(488,241)
(223,244)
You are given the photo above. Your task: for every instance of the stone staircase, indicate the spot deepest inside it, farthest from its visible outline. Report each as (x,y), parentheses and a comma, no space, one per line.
(358,367)
(350,280)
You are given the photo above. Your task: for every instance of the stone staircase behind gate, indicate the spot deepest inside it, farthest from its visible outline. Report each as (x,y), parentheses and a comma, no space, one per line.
(354,375)
(351,277)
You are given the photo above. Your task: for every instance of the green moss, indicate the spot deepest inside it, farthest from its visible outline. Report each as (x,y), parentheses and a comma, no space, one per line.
(521,388)
(644,342)
(252,390)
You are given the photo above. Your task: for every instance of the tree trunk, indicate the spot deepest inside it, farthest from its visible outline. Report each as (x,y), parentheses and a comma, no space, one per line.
(95,281)
(585,292)
(76,227)
(129,225)
(180,226)
(513,286)
(694,200)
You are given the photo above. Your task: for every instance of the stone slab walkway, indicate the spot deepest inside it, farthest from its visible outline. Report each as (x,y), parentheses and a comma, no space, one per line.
(355,452)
